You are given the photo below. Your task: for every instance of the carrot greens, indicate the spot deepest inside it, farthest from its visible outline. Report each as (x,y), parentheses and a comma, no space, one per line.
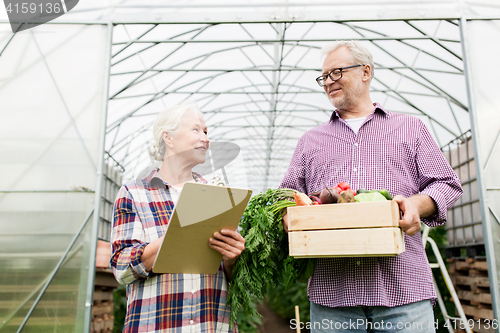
(265,260)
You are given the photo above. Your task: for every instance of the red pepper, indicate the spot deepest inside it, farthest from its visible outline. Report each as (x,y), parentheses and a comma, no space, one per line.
(315,203)
(352,191)
(338,189)
(343,186)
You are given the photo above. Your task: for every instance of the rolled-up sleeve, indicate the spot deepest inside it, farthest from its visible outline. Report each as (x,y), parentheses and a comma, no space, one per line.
(127,240)
(437,178)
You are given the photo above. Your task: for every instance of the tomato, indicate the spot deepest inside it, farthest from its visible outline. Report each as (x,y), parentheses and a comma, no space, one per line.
(343,186)
(316,203)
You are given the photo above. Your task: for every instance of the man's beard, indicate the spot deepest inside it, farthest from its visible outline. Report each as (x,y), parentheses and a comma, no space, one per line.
(349,98)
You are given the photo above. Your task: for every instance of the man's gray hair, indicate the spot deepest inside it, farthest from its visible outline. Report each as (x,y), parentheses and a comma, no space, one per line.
(359,52)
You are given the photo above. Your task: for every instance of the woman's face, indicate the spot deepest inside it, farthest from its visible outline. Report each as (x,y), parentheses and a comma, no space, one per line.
(190,143)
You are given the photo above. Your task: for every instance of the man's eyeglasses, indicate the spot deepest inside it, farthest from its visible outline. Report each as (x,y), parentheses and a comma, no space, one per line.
(334,75)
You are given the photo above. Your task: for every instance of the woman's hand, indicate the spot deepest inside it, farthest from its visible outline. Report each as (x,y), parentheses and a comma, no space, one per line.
(149,254)
(286,222)
(230,244)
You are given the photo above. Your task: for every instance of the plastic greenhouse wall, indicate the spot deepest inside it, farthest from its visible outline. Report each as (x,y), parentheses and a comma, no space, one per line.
(49,155)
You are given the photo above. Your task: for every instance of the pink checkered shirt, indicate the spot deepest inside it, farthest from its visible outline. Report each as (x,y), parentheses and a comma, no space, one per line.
(390,151)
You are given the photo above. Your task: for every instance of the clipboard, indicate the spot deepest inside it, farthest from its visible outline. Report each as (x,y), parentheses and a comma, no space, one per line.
(200,211)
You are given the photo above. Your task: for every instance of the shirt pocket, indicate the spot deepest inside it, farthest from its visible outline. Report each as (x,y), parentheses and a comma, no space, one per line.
(398,159)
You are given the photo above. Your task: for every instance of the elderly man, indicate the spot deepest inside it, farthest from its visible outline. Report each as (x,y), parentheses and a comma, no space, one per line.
(372,148)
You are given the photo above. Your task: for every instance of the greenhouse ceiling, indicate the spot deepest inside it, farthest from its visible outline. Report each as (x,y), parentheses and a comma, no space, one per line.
(251,67)
(88,85)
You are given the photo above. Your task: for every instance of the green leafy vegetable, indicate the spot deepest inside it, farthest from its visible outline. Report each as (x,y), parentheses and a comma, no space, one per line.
(367,197)
(265,260)
(386,194)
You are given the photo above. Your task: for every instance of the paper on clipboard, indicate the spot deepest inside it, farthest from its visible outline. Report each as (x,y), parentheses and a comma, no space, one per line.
(200,211)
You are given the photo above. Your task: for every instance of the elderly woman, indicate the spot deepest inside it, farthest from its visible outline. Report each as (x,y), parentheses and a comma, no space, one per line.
(169,302)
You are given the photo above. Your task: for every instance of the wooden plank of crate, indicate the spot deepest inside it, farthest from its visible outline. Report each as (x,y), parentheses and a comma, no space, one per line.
(105,279)
(475,281)
(462,265)
(102,309)
(471,263)
(108,324)
(101,295)
(478,313)
(480,265)
(477,272)
(347,215)
(470,296)
(346,242)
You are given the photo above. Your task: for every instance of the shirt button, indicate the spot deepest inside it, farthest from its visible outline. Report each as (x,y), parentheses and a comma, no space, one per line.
(193,291)
(354,169)
(191,322)
(356,144)
(358,262)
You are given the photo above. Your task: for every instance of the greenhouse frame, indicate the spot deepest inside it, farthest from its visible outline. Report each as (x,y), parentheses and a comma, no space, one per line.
(78,96)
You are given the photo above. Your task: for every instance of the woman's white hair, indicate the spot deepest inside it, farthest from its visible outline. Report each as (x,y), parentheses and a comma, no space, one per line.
(170,121)
(359,53)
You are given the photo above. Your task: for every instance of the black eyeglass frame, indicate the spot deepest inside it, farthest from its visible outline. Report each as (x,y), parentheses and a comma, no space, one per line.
(322,78)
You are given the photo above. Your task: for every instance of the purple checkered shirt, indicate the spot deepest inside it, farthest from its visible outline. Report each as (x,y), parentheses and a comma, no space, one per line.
(390,151)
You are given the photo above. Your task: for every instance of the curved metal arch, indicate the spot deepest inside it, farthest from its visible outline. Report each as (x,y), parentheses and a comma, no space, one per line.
(296,103)
(268,87)
(413,70)
(220,123)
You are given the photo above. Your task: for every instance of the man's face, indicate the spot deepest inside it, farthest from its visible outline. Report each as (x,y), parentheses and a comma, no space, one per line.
(343,93)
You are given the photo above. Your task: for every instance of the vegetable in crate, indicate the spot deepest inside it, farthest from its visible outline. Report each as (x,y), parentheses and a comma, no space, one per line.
(368,197)
(314,197)
(265,259)
(386,194)
(346,197)
(344,186)
(329,196)
(383,192)
(301,199)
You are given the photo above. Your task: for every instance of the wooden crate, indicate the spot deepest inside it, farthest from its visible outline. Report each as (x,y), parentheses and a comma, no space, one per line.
(102,308)
(470,279)
(359,229)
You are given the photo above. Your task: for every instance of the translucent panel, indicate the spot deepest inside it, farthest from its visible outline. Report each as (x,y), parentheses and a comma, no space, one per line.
(486,115)
(29,258)
(51,100)
(53,105)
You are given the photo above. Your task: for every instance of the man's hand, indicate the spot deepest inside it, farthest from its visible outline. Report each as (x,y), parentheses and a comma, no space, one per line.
(413,208)
(410,222)
(230,244)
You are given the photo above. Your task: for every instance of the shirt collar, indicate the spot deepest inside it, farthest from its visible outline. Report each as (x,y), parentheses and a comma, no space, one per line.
(154,180)
(335,114)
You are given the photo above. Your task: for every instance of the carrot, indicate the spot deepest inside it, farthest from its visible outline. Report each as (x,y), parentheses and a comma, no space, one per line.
(301,199)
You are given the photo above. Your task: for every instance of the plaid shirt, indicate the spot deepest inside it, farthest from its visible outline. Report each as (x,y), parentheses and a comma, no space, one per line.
(390,151)
(161,302)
